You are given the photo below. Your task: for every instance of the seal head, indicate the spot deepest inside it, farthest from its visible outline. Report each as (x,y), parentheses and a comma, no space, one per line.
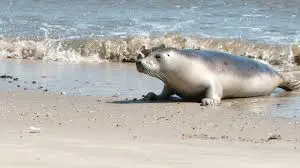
(157,64)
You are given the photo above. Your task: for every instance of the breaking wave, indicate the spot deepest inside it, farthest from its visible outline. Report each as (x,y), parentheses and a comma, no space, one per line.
(126,49)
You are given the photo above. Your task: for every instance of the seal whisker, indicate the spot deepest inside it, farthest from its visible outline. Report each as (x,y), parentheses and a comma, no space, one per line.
(153,74)
(159,76)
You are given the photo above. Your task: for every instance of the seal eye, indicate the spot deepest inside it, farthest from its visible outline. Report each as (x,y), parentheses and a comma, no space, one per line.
(168,55)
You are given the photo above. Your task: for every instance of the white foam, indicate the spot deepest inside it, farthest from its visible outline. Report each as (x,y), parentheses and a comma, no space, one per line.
(45,49)
(255,29)
(62,55)
(53,26)
(91,49)
(255,15)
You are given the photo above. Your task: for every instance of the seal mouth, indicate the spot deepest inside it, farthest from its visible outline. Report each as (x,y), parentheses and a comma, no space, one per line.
(143,69)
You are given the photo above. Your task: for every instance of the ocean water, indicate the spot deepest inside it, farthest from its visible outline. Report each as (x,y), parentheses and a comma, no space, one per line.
(259,20)
(95,30)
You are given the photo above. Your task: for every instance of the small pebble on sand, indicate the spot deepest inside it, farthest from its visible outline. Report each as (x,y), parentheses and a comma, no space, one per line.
(34,129)
(272,136)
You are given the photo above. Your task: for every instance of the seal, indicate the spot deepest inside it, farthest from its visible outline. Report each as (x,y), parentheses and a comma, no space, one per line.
(209,76)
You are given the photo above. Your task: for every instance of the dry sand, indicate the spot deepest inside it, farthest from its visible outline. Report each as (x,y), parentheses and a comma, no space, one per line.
(52,130)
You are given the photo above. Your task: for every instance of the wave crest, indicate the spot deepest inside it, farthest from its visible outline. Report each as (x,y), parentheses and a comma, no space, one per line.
(125,49)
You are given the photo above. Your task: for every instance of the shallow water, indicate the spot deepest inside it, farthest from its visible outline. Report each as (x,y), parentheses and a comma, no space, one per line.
(116,79)
(103,79)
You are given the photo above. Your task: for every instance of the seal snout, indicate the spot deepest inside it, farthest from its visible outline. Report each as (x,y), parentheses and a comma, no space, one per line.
(139,66)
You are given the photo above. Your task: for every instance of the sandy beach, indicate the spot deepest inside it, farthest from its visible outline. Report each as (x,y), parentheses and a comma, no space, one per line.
(47,130)
(70,91)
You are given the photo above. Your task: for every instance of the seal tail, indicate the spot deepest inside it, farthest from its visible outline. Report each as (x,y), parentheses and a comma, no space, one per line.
(289,82)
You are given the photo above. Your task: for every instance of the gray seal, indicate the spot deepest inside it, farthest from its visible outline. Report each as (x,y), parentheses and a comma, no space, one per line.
(209,76)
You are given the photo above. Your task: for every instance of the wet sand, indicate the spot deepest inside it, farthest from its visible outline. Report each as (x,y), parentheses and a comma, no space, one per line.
(102,79)
(97,122)
(47,130)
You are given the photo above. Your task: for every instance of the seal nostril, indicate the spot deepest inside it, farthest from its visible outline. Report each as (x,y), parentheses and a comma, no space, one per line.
(157,56)
(138,62)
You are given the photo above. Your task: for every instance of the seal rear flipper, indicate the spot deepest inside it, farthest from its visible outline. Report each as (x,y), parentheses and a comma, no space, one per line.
(289,82)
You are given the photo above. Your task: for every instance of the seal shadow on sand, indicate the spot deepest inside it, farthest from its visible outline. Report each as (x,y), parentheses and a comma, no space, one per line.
(278,94)
(141,101)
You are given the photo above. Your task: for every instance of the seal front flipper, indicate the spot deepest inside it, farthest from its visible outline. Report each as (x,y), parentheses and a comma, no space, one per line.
(210,102)
(213,94)
(164,95)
